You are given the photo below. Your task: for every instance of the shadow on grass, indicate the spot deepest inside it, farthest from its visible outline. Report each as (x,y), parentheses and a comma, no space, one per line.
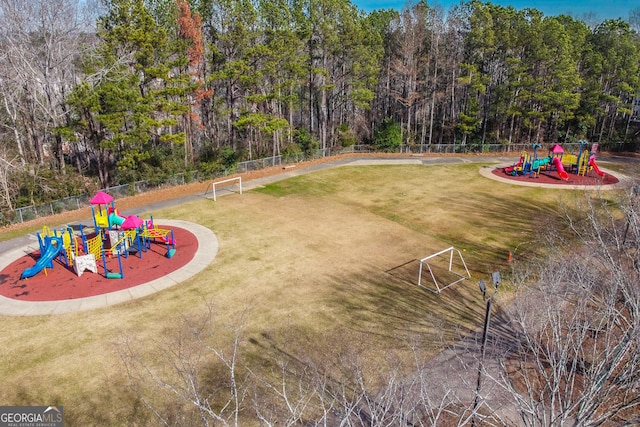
(379,304)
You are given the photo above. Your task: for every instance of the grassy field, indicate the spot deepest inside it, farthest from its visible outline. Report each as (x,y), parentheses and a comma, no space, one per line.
(321,261)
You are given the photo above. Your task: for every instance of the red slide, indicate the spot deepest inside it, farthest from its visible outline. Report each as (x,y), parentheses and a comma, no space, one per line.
(558,164)
(594,165)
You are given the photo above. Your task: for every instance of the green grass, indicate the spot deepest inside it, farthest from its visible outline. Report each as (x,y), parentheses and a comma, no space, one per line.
(308,262)
(8,235)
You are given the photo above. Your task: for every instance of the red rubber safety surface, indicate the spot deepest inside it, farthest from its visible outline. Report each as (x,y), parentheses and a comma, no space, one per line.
(62,283)
(552,177)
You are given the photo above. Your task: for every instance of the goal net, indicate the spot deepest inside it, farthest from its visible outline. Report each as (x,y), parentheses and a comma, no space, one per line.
(229,185)
(442,269)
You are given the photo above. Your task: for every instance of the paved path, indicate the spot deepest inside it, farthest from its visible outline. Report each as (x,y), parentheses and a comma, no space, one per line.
(207,242)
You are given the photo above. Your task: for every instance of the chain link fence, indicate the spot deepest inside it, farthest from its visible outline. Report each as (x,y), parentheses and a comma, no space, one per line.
(29,213)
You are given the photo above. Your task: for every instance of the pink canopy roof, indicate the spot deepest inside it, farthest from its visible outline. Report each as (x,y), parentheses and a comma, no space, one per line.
(556,149)
(101,198)
(131,222)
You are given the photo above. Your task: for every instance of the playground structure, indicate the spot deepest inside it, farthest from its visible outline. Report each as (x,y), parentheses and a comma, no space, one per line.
(112,236)
(563,163)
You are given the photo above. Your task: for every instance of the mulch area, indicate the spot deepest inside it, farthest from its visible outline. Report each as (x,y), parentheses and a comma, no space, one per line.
(552,177)
(61,283)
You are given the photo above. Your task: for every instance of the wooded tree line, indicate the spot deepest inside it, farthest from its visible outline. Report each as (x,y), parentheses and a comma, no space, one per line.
(122,90)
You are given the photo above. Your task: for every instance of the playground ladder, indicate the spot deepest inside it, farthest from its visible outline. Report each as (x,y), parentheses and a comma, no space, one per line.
(583,164)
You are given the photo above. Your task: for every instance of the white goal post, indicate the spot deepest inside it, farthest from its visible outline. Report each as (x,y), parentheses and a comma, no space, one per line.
(224,181)
(455,270)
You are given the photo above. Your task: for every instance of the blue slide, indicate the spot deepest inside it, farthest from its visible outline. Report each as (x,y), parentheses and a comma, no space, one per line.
(52,248)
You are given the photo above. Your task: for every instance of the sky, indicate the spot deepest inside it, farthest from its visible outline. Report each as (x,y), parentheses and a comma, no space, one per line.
(601,9)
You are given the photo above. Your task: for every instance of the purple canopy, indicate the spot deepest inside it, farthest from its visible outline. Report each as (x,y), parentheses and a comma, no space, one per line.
(132,222)
(101,198)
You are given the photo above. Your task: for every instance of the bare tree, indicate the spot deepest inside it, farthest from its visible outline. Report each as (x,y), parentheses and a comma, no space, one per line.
(197,374)
(634,19)
(191,375)
(7,166)
(41,44)
(336,384)
(574,359)
(405,67)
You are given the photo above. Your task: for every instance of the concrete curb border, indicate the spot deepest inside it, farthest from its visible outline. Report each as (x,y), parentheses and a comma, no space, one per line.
(623,180)
(207,250)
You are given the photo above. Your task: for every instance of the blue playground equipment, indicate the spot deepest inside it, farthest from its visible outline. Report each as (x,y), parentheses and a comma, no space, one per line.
(112,236)
(557,160)
(51,247)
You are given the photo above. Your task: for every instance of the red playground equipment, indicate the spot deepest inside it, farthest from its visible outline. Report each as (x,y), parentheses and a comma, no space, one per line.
(113,236)
(563,163)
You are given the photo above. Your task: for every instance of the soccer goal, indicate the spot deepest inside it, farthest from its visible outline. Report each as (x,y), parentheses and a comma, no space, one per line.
(229,187)
(441,270)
